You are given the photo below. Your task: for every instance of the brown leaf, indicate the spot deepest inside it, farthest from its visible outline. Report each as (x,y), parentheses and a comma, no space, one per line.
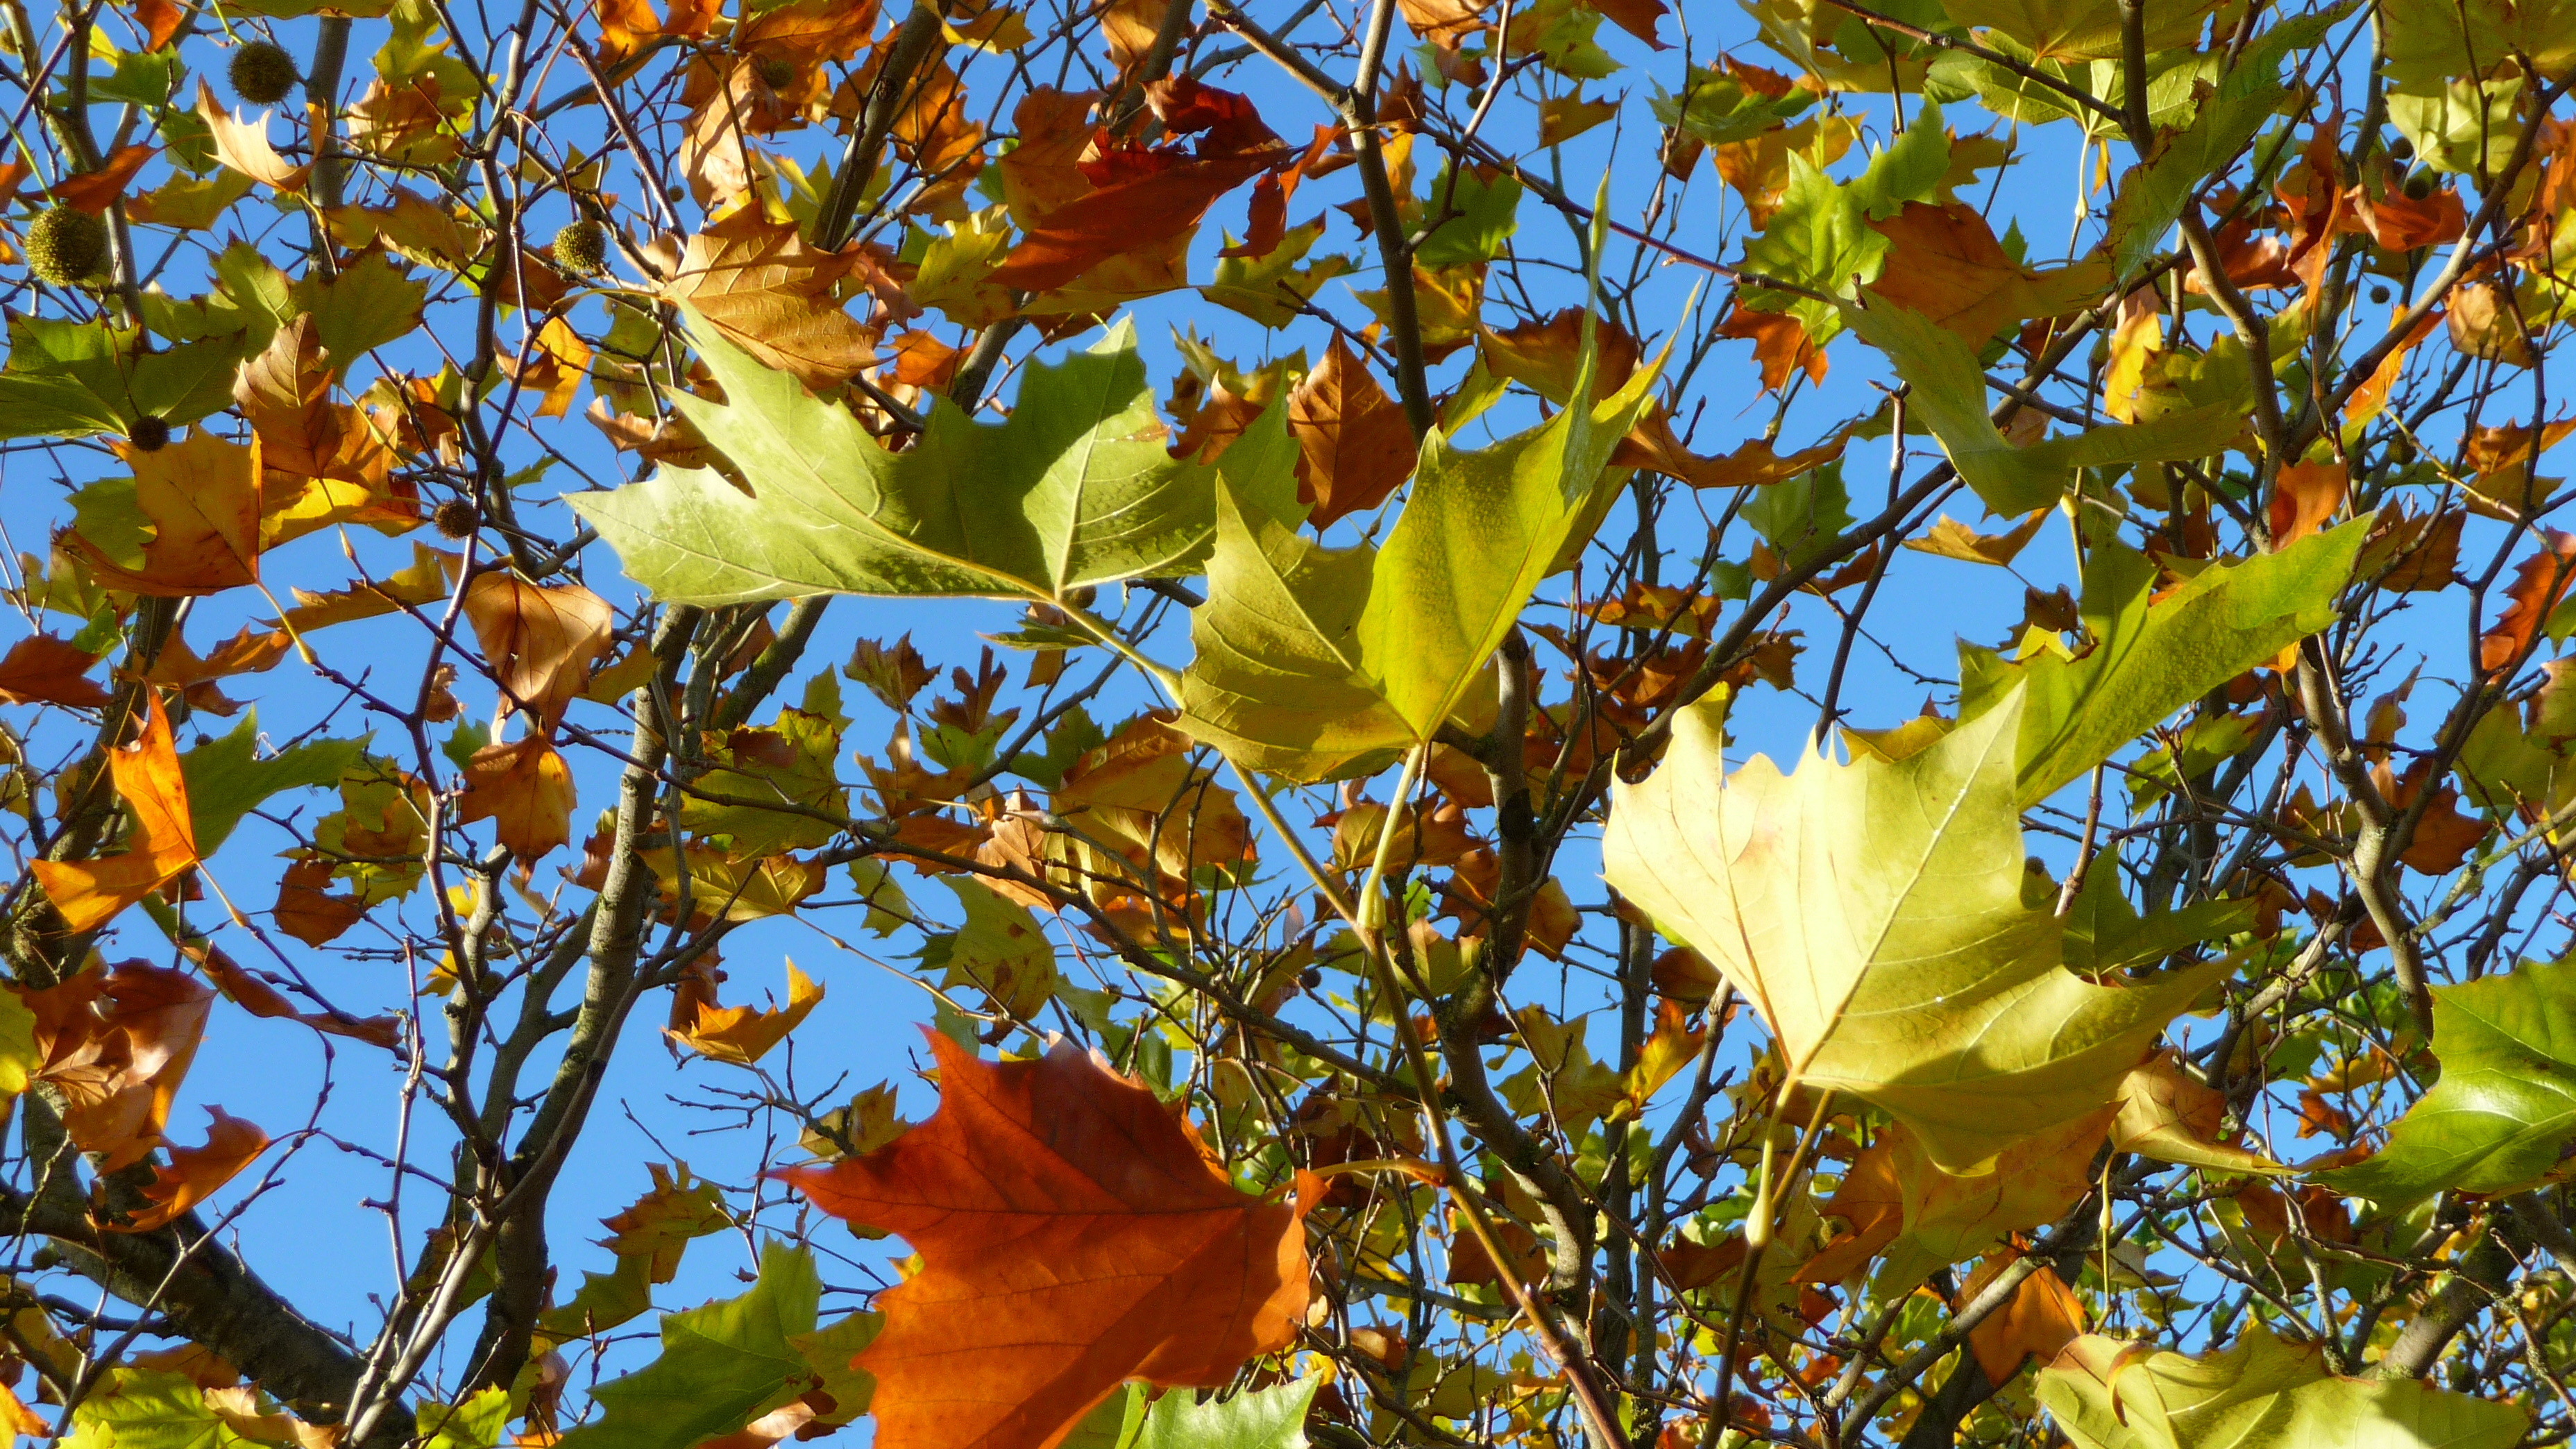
(163,842)
(41,669)
(761,288)
(307,911)
(1073,1233)
(2041,1317)
(540,641)
(525,789)
(1947,265)
(115,1045)
(1354,447)
(193,1173)
(263,1000)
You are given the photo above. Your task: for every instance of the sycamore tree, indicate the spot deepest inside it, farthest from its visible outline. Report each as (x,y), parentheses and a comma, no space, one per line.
(1184,722)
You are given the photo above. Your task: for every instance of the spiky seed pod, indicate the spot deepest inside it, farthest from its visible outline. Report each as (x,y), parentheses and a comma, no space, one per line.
(776,74)
(262,74)
(148,433)
(453,519)
(582,248)
(65,245)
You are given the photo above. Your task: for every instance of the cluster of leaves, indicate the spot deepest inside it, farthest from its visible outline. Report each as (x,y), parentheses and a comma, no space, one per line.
(1373,994)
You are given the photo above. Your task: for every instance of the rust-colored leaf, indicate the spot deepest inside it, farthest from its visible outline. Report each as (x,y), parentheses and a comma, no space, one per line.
(1354,447)
(163,843)
(41,669)
(1947,265)
(193,1173)
(308,911)
(263,1000)
(1780,345)
(541,641)
(2538,584)
(525,789)
(95,191)
(1073,1233)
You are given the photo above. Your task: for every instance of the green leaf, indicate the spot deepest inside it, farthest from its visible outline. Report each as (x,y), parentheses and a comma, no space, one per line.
(1262,288)
(227,780)
(793,761)
(1717,109)
(1001,951)
(2260,1394)
(370,303)
(1074,489)
(2504,1110)
(2105,933)
(828,1352)
(1879,917)
(2152,197)
(1479,533)
(474,1424)
(71,379)
(1315,662)
(134,1408)
(1271,1418)
(1948,393)
(1801,516)
(2149,660)
(721,1366)
(1484,221)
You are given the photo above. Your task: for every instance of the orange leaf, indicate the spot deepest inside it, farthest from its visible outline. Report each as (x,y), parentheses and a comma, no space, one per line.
(193,1173)
(164,841)
(525,789)
(115,1045)
(761,288)
(541,641)
(1354,447)
(160,20)
(744,1034)
(1637,17)
(201,499)
(95,191)
(2041,1317)
(2304,496)
(1780,344)
(2536,589)
(1073,1234)
(41,669)
(1125,217)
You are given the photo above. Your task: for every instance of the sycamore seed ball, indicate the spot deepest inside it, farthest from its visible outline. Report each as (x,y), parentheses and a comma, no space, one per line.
(262,73)
(65,245)
(582,248)
(148,433)
(453,519)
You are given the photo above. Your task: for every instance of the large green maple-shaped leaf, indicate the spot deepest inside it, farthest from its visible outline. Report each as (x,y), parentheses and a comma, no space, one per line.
(133,1408)
(2262,1394)
(1314,662)
(2504,1111)
(72,379)
(1879,917)
(722,1365)
(1074,489)
(1947,392)
(2151,659)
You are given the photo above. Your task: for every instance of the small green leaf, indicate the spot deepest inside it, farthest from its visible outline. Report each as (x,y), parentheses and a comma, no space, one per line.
(475,1423)
(721,1366)
(1271,1418)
